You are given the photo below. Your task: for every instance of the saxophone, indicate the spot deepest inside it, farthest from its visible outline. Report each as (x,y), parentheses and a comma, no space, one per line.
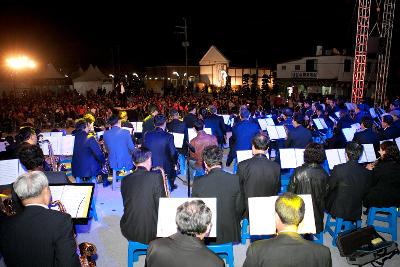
(165,180)
(86,249)
(6,204)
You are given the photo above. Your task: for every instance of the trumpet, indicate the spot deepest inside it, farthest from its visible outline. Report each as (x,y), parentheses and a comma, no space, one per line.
(165,181)
(86,249)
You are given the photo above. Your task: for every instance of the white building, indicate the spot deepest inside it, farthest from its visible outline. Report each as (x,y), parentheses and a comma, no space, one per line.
(325,74)
(214,68)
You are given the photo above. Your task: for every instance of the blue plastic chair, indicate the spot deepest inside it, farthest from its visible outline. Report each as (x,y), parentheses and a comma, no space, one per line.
(135,249)
(390,218)
(245,233)
(334,228)
(319,238)
(235,166)
(224,251)
(93,212)
(182,164)
(116,177)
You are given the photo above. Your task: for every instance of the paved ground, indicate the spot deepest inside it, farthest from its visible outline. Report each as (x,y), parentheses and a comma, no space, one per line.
(112,246)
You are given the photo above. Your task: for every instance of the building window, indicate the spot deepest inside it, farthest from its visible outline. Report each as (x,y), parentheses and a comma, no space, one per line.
(296,67)
(283,67)
(347,65)
(311,65)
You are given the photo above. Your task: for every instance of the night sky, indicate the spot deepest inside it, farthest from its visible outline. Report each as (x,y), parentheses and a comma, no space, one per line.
(137,35)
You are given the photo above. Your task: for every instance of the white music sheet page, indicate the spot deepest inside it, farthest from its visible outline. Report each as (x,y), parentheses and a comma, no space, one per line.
(337,114)
(76,199)
(317,123)
(67,145)
(226,118)
(299,156)
(166,225)
(342,155)
(270,121)
(356,126)
(130,130)
(57,134)
(191,134)
(139,127)
(281,131)
(323,123)
(178,139)
(272,132)
(243,155)
(380,142)
(9,171)
(208,131)
(288,158)
(332,119)
(263,124)
(373,113)
(398,142)
(99,134)
(262,216)
(368,153)
(349,133)
(333,158)
(3,146)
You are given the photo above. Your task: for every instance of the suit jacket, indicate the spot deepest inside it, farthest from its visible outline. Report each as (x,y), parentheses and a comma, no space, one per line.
(140,192)
(162,147)
(38,237)
(189,120)
(87,159)
(390,132)
(56,177)
(181,250)
(367,136)
(148,125)
(120,147)
(348,184)
(225,187)
(259,177)
(242,134)
(217,125)
(287,250)
(298,137)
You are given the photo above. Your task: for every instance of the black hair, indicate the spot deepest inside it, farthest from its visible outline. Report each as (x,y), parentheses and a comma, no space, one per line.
(198,125)
(140,155)
(354,151)
(391,151)
(159,120)
(366,121)
(298,117)
(31,156)
(314,153)
(212,155)
(388,119)
(25,133)
(260,142)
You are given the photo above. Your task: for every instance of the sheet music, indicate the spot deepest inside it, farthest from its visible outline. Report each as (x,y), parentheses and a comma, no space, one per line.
(56,134)
(350,106)
(167,207)
(178,139)
(373,113)
(281,131)
(368,154)
(3,146)
(337,114)
(262,216)
(208,131)
(356,126)
(75,198)
(139,127)
(288,158)
(270,121)
(191,134)
(299,156)
(342,155)
(398,142)
(54,141)
(226,118)
(272,132)
(99,134)
(323,123)
(323,106)
(243,155)
(335,157)
(46,134)
(9,171)
(318,123)
(349,133)
(263,124)
(332,119)
(380,142)
(67,145)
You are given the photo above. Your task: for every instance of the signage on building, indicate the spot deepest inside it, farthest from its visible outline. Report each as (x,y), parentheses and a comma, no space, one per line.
(304,75)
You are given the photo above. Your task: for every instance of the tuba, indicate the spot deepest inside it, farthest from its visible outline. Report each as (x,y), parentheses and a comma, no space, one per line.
(165,180)
(86,249)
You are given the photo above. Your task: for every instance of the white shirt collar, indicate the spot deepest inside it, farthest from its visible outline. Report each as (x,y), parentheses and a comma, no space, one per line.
(40,205)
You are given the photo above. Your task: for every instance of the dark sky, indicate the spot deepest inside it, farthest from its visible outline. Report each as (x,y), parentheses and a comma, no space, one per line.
(70,34)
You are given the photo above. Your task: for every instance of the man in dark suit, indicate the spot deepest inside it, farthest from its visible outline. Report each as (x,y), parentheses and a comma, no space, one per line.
(348,184)
(191,117)
(288,248)
(389,132)
(298,136)
(217,125)
(396,118)
(148,122)
(259,176)
(178,126)
(140,192)
(119,145)
(38,236)
(161,144)
(225,187)
(186,247)
(242,134)
(87,158)
(366,135)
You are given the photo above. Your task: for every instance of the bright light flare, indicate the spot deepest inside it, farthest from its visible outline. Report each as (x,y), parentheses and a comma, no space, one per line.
(20,62)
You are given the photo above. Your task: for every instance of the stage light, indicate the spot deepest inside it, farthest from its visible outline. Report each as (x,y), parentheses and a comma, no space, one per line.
(20,62)
(175,73)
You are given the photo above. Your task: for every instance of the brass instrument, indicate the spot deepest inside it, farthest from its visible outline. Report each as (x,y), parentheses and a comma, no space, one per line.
(86,249)
(6,206)
(50,159)
(165,180)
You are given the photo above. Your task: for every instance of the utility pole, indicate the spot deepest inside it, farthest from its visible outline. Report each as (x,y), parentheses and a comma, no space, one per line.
(185,44)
